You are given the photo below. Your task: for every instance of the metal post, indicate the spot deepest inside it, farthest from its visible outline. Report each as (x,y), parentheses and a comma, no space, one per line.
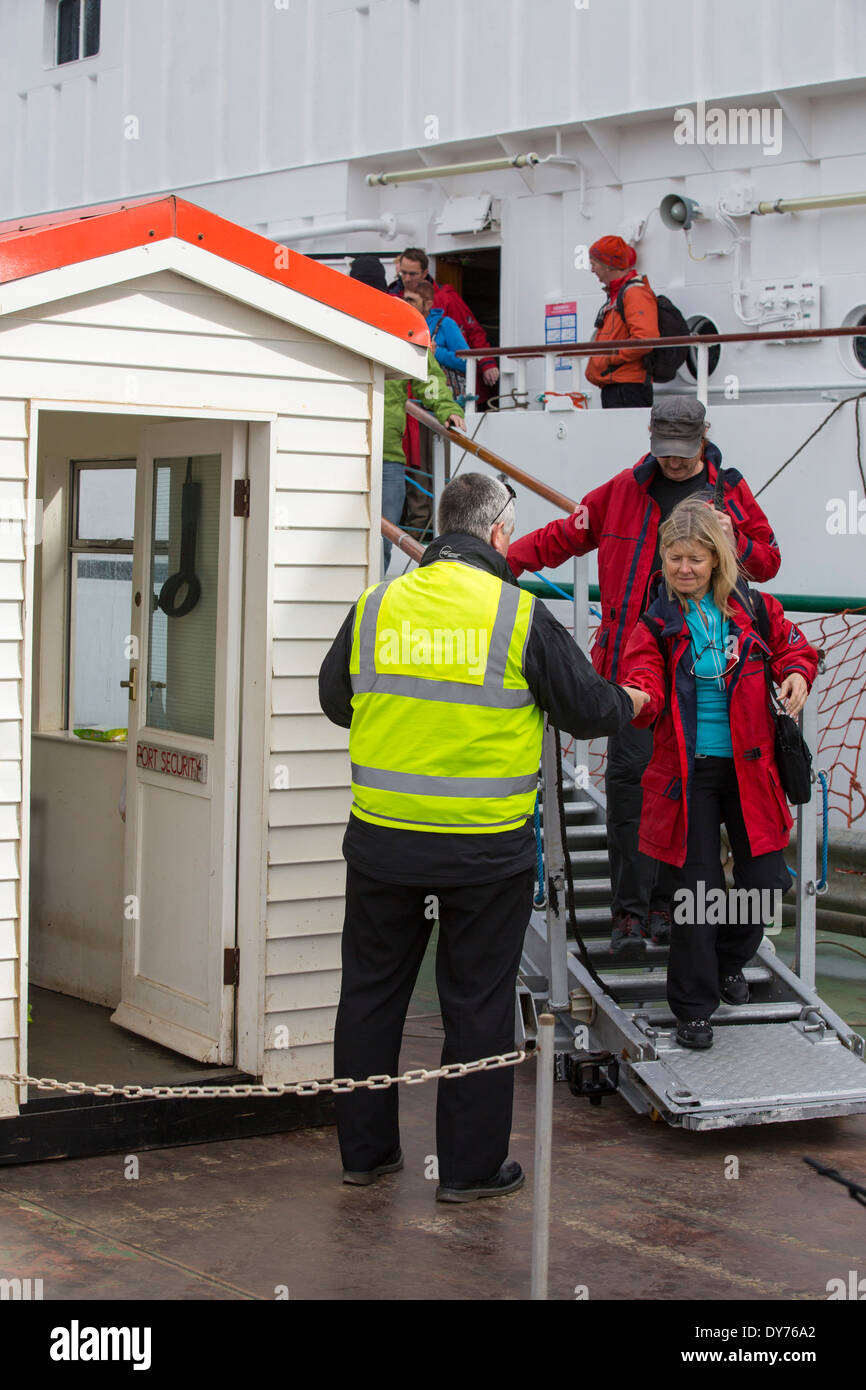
(520,379)
(471,406)
(581,636)
(807,851)
(549,374)
(439,458)
(543,1153)
(703,372)
(554,864)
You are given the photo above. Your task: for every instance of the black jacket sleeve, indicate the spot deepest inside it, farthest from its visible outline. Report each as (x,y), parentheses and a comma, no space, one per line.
(566,685)
(335,686)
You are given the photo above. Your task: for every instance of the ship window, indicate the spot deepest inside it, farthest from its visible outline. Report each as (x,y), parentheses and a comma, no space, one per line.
(699,324)
(860,343)
(77,30)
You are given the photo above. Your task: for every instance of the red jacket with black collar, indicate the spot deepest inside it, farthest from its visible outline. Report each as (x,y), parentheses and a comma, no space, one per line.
(658,660)
(621,521)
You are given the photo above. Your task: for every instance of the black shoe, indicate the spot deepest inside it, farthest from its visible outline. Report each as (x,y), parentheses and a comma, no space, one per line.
(695,1032)
(363,1179)
(626,939)
(658,928)
(508,1179)
(734,989)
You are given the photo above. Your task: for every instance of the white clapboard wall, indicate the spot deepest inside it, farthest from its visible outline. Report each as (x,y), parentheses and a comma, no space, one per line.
(166,341)
(13,440)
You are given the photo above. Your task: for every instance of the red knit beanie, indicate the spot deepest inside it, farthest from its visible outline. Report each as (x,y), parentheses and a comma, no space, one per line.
(613,251)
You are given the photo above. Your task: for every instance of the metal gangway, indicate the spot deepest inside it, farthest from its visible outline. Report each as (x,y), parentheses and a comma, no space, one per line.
(786,1055)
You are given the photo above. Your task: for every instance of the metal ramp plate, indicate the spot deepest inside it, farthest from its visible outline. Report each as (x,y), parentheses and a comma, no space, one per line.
(754,1073)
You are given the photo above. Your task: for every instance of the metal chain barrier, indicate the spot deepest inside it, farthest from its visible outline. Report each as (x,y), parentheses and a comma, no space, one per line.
(339,1085)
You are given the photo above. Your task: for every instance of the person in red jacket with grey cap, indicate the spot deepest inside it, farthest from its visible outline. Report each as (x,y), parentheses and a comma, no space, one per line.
(621,521)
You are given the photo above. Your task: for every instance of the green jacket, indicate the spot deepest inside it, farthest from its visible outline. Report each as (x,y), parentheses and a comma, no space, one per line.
(433,394)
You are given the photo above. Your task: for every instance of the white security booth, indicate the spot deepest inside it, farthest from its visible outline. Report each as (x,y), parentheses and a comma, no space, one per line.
(190,436)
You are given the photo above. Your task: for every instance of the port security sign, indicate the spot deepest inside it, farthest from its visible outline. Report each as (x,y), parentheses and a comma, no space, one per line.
(173,762)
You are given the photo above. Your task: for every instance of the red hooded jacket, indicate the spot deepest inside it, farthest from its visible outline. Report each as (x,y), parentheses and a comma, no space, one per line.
(621,521)
(658,660)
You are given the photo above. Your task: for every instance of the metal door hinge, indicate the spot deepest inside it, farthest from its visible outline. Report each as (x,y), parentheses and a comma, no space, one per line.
(231,965)
(242,497)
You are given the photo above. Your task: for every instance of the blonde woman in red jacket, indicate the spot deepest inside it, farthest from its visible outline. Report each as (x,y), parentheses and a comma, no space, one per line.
(698,654)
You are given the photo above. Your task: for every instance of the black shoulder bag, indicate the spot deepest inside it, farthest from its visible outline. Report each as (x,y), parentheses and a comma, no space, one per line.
(793,758)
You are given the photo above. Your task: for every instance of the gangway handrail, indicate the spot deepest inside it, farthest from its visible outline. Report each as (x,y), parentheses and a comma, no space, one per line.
(550,494)
(403,542)
(589,347)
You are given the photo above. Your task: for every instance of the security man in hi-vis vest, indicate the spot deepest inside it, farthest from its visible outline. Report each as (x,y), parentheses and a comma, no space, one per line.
(443,677)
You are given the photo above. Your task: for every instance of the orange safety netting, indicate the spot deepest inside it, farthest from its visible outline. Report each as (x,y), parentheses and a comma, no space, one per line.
(841,711)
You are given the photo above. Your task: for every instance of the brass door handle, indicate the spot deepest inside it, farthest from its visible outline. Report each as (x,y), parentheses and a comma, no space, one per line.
(132,684)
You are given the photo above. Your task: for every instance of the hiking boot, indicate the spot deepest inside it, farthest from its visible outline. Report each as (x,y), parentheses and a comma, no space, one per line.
(658,929)
(364,1178)
(626,939)
(694,1032)
(734,989)
(508,1179)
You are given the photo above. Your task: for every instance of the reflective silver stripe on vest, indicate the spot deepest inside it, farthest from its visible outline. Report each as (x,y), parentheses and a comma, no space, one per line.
(367,641)
(491,694)
(419,784)
(449,825)
(454,692)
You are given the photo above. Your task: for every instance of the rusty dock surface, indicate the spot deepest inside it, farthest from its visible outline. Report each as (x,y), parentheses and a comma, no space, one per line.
(640,1212)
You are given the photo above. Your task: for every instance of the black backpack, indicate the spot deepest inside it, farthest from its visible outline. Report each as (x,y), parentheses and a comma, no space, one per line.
(662,363)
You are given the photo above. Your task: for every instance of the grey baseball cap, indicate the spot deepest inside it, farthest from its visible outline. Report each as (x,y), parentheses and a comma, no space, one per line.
(677,427)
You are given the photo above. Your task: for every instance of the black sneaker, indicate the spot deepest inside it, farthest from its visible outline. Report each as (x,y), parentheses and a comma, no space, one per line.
(364,1178)
(734,989)
(508,1179)
(695,1032)
(626,939)
(658,928)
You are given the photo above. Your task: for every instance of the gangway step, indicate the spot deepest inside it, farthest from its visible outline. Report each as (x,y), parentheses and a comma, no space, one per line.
(599,950)
(776,1011)
(589,863)
(646,984)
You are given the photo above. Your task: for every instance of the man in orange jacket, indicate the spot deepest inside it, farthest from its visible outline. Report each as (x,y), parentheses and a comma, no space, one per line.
(623,376)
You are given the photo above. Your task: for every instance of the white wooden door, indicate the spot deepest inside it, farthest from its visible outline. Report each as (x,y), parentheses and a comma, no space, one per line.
(182,760)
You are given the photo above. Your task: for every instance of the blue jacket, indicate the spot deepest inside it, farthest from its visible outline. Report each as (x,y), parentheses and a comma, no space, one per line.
(448,338)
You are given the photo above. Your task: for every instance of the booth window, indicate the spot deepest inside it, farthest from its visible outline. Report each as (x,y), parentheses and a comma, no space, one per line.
(100,592)
(77,30)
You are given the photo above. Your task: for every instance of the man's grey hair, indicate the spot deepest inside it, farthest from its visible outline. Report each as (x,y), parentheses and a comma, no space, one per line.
(472,502)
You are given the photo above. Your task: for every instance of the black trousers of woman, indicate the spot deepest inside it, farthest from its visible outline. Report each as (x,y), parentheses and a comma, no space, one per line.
(703,952)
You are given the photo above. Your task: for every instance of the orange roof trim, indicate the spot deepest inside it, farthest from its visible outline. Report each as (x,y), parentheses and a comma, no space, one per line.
(31,245)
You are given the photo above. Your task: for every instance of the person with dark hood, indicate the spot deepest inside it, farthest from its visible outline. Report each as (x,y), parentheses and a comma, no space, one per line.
(432,393)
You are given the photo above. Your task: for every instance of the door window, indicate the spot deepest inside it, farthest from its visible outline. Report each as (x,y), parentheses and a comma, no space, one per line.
(183,595)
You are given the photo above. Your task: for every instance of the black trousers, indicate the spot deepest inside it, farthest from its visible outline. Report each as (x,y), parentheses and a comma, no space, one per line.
(637,882)
(387,927)
(625,394)
(703,951)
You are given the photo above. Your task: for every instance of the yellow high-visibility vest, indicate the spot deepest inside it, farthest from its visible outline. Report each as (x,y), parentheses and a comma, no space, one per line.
(445,734)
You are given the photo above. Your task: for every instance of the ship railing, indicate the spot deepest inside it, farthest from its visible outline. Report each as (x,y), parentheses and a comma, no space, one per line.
(521,354)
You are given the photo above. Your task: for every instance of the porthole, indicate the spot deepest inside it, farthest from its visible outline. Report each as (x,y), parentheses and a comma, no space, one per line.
(700,324)
(853,350)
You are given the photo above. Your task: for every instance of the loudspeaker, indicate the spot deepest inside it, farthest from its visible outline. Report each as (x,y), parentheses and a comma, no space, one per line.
(678,212)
